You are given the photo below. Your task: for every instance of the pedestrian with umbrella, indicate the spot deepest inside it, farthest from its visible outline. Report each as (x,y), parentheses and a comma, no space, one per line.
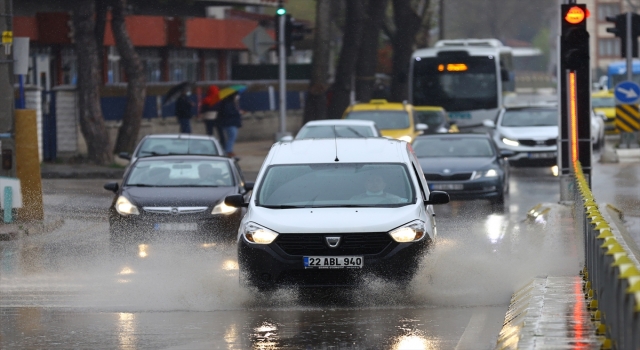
(229,116)
(209,112)
(181,94)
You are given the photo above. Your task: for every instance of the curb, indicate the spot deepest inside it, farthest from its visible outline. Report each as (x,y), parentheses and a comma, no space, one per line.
(13,231)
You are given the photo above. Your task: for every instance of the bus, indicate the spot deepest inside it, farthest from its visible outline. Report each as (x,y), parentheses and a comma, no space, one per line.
(468,78)
(617,72)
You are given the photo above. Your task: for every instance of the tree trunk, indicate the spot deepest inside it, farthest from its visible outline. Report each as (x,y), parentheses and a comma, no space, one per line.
(136,87)
(316,104)
(101,20)
(342,85)
(407,23)
(368,53)
(89,81)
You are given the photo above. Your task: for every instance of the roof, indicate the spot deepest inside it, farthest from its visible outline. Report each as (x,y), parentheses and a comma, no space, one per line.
(382,105)
(602,93)
(455,135)
(357,150)
(179,136)
(341,122)
(183,157)
(472,50)
(428,108)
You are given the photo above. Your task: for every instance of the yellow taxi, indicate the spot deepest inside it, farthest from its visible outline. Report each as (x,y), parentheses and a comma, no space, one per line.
(395,120)
(604,102)
(436,118)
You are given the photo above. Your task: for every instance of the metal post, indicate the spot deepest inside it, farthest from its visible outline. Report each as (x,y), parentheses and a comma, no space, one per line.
(22,104)
(282,79)
(7,96)
(629,54)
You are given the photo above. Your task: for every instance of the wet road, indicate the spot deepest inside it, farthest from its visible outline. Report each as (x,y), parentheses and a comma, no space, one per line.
(64,290)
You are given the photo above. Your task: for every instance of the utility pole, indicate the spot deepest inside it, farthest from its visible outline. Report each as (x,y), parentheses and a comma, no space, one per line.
(282,79)
(7,140)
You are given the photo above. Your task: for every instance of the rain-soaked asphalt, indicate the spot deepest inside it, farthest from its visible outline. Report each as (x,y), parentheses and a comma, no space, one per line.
(64,289)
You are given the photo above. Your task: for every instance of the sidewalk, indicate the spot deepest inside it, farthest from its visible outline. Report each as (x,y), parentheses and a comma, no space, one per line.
(251,155)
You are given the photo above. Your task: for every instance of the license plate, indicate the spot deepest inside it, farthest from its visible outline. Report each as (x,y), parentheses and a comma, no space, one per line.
(176,227)
(333,262)
(462,115)
(438,187)
(542,155)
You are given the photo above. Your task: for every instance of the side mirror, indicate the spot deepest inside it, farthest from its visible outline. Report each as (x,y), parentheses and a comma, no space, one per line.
(504,75)
(489,123)
(236,201)
(421,127)
(111,186)
(437,197)
(248,186)
(507,153)
(287,138)
(124,155)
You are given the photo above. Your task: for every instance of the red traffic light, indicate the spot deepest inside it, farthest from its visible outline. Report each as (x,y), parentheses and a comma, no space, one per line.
(575,15)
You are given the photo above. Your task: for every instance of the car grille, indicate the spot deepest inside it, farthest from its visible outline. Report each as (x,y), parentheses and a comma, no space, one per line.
(544,143)
(351,243)
(452,177)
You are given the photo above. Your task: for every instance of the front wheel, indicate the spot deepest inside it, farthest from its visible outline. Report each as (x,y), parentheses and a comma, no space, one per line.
(497,204)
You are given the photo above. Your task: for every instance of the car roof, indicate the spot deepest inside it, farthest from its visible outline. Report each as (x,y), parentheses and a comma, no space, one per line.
(356,150)
(455,135)
(382,105)
(179,136)
(536,106)
(428,108)
(602,93)
(182,157)
(341,122)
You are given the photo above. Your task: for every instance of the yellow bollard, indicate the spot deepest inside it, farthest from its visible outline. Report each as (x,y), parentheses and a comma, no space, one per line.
(28,165)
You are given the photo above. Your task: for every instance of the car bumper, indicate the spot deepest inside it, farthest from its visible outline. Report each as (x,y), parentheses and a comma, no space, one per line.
(136,227)
(475,189)
(269,266)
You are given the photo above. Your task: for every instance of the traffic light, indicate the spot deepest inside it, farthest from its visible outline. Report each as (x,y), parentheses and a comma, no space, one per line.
(574,46)
(620,30)
(293,31)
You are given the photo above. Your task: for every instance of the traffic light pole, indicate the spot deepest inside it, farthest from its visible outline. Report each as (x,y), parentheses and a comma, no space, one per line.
(629,47)
(282,60)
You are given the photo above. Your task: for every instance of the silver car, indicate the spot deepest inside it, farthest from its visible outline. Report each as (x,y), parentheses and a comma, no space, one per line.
(530,132)
(175,144)
(338,128)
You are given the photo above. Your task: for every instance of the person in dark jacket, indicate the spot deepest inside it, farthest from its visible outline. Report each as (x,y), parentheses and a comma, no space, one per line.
(209,112)
(184,107)
(230,119)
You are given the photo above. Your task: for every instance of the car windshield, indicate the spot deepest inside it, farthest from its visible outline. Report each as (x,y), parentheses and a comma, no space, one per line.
(327,131)
(336,185)
(530,117)
(428,147)
(602,102)
(157,146)
(386,120)
(431,118)
(180,173)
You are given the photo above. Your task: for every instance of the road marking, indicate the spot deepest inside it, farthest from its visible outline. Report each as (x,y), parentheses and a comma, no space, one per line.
(471,334)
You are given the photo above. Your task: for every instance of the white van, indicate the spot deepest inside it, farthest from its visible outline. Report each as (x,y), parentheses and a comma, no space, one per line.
(324,212)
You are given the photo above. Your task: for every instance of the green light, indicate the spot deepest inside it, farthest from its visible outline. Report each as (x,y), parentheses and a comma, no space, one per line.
(281,11)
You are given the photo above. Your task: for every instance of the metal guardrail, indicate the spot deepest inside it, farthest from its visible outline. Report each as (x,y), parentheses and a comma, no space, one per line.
(611,273)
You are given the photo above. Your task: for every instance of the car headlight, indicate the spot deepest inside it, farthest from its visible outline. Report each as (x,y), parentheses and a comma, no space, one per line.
(124,207)
(411,232)
(223,209)
(510,142)
(405,138)
(254,233)
(484,173)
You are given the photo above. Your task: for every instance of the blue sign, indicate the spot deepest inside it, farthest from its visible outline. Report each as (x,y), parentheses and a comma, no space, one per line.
(627,92)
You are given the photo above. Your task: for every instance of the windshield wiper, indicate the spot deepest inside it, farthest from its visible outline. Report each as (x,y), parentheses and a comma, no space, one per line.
(355,131)
(283,206)
(141,185)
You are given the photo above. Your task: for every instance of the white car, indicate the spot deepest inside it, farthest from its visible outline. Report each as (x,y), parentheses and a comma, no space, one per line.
(175,144)
(325,212)
(597,129)
(331,128)
(530,132)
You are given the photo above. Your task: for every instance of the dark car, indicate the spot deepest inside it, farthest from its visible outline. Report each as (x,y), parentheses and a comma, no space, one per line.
(467,166)
(169,195)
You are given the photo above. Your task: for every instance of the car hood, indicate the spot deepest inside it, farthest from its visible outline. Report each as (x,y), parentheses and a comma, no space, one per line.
(177,196)
(454,165)
(333,220)
(530,132)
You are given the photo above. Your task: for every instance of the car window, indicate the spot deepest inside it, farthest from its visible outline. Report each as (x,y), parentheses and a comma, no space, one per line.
(452,147)
(530,117)
(431,118)
(163,146)
(335,185)
(602,102)
(179,173)
(327,131)
(384,119)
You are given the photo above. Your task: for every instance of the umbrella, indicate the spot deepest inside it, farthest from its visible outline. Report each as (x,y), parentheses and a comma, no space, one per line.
(175,92)
(230,90)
